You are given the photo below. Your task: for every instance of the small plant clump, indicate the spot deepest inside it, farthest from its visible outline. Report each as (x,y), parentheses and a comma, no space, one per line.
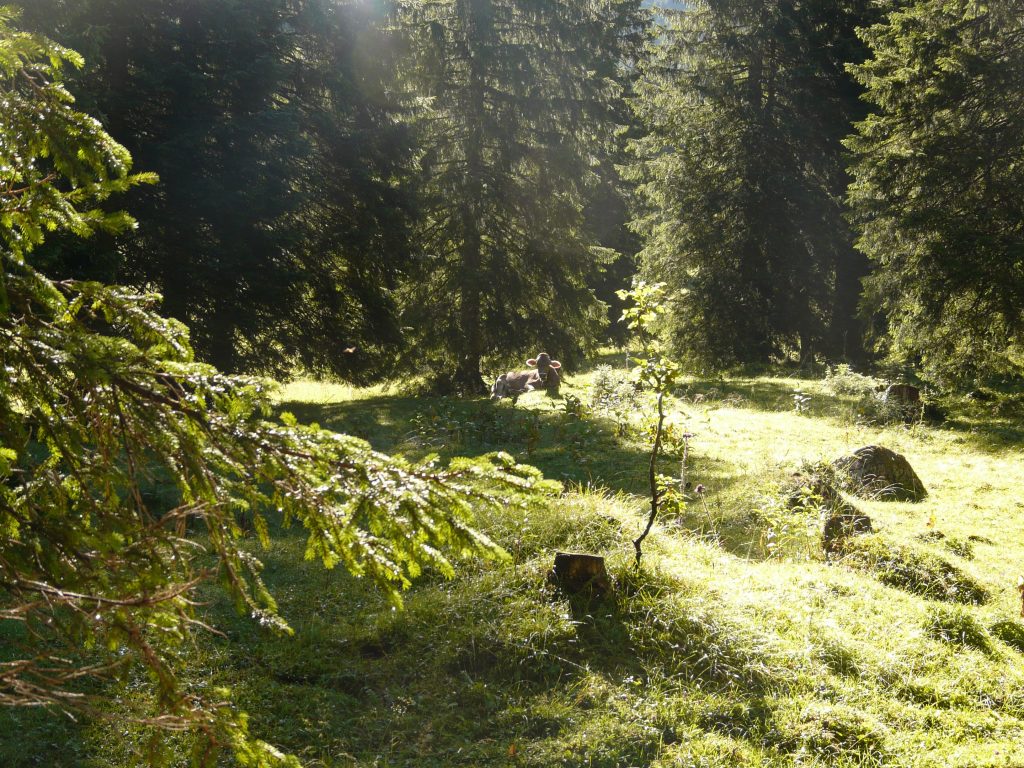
(916,571)
(954,625)
(654,372)
(613,392)
(841,379)
(1010,632)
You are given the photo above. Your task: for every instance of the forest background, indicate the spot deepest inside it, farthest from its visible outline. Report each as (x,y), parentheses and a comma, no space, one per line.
(437,186)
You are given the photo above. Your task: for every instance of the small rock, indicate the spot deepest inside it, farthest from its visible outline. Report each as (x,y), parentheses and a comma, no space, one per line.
(875,472)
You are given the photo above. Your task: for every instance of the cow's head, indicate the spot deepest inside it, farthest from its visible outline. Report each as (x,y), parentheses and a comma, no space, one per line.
(543,363)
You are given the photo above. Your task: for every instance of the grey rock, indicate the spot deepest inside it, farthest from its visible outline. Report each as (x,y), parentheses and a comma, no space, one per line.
(875,472)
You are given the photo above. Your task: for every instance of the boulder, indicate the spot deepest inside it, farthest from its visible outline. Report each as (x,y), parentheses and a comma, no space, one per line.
(875,472)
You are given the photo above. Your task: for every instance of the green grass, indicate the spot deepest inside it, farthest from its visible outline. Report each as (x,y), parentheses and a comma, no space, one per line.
(737,643)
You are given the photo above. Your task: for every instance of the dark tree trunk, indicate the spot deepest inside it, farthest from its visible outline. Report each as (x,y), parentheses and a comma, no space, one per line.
(468,380)
(846,332)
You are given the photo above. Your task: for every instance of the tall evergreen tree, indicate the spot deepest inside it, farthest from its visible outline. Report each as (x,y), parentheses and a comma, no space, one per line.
(515,121)
(742,177)
(278,228)
(939,192)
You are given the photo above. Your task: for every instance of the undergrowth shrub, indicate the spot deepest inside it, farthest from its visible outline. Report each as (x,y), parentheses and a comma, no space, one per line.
(614,393)
(789,523)
(843,380)
(1009,406)
(867,392)
(954,625)
(916,571)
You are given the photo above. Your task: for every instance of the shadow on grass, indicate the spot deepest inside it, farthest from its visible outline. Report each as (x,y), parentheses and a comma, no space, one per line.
(36,736)
(988,434)
(493,659)
(577,452)
(538,431)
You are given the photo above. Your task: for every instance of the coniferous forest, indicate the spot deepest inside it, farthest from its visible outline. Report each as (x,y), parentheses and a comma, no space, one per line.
(743,281)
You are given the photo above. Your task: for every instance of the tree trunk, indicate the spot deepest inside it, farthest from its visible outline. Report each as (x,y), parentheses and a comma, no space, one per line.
(468,380)
(846,331)
(222,352)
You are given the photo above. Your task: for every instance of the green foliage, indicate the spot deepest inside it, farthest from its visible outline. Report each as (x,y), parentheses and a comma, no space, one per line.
(613,393)
(937,195)
(841,379)
(740,178)
(714,654)
(101,397)
(280,227)
(656,373)
(518,102)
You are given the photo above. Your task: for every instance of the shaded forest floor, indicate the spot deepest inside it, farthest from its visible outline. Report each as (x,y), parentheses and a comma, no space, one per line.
(737,643)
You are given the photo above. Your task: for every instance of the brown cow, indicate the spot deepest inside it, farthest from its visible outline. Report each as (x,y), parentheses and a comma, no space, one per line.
(515,383)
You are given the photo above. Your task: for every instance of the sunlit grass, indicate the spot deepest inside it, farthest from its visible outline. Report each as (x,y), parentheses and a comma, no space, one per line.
(736,644)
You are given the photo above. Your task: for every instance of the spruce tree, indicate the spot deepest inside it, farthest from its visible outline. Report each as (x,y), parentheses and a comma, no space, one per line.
(742,175)
(102,403)
(279,229)
(939,190)
(515,120)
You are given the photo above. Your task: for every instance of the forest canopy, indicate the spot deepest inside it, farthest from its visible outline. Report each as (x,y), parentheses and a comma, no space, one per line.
(364,189)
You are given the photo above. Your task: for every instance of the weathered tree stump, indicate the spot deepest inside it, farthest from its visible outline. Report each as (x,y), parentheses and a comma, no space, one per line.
(575,573)
(875,472)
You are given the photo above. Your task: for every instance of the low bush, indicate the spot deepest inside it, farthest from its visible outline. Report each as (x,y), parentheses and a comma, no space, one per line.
(843,380)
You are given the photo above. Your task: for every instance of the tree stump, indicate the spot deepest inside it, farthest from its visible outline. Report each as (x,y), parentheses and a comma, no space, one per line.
(575,572)
(875,472)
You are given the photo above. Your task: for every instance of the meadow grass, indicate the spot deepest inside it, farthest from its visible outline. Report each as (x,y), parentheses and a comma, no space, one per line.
(737,643)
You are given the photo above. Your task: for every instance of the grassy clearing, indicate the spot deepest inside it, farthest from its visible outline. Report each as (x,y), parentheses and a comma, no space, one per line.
(737,644)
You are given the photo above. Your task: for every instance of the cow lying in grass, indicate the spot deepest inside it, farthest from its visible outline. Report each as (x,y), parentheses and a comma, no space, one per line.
(515,383)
